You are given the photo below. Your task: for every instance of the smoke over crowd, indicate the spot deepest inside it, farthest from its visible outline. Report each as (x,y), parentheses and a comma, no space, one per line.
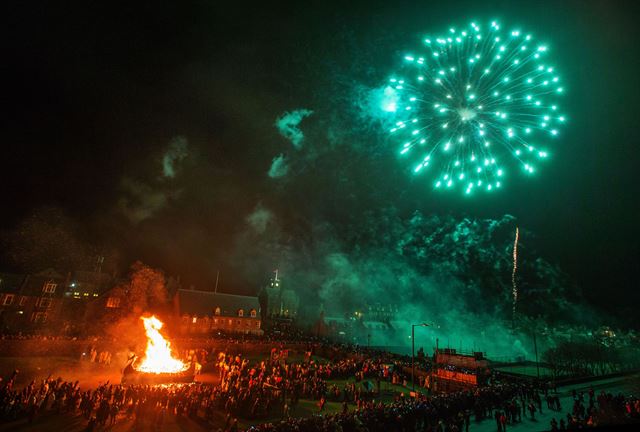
(454,273)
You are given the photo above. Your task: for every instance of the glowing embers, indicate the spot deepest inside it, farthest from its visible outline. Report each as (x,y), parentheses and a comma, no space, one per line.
(158,357)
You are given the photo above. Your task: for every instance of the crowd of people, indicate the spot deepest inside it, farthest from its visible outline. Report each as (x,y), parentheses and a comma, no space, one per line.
(91,354)
(259,392)
(106,403)
(275,384)
(603,409)
(251,391)
(36,336)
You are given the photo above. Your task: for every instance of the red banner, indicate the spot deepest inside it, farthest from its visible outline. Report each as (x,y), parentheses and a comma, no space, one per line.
(462,361)
(457,376)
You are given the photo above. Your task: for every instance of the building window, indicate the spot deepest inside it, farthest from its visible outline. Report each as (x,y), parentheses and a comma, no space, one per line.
(215,320)
(49,287)
(113,302)
(240,312)
(217,311)
(44,302)
(39,317)
(194,320)
(23,300)
(253,313)
(8,299)
(230,322)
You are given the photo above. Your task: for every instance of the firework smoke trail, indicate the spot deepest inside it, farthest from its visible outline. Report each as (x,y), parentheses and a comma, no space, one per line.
(513,275)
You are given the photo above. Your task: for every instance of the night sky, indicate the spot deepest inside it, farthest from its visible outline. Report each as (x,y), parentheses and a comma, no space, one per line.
(95,95)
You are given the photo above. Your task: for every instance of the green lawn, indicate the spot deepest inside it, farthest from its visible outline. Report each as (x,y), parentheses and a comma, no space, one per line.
(388,391)
(529,370)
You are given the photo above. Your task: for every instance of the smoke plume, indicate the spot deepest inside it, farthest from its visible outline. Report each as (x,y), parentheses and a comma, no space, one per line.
(288,123)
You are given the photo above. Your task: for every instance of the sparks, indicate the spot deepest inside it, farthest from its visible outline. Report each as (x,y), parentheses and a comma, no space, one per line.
(467,91)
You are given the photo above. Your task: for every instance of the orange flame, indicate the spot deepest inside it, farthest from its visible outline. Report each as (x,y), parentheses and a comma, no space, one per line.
(157,356)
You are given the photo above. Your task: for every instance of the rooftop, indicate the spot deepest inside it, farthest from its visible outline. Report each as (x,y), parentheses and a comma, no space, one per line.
(201,303)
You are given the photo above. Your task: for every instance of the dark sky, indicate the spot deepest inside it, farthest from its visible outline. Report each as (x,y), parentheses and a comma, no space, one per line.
(93,94)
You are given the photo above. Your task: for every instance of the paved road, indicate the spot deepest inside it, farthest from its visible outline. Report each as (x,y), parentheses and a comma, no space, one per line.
(627,385)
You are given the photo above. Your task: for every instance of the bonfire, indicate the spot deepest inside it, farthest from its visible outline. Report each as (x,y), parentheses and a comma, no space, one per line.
(158,364)
(157,357)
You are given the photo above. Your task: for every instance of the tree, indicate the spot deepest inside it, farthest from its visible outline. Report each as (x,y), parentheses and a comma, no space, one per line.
(45,239)
(147,288)
(144,291)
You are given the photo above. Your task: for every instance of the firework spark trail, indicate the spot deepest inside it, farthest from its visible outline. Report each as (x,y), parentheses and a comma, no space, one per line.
(474,95)
(514,286)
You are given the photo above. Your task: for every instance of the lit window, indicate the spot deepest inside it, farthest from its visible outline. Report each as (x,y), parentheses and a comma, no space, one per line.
(253,313)
(240,312)
(217,311)
(194,320)
(44,302)
(49,287)
(39,317)
(113,302)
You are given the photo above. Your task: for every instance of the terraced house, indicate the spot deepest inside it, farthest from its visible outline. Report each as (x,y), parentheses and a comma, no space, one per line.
(203,312)
(30,301)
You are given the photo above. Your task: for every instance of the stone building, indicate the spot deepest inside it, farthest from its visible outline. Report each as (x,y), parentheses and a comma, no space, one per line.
(278,301)
(206,312)
(11,311)
(30,301)
(86,285)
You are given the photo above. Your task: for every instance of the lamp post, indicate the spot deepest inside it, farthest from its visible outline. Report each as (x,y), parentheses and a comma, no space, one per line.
(413,349)
(535,347)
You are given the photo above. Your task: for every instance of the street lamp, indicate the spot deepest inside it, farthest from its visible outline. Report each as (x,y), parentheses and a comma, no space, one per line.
(413,349)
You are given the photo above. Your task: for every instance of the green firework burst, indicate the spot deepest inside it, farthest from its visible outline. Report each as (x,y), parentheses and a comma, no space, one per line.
(473,102)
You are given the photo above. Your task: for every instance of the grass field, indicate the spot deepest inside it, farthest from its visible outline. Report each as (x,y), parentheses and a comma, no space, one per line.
(529,370)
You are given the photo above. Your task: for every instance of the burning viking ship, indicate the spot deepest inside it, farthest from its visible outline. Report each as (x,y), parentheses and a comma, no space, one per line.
(158,366)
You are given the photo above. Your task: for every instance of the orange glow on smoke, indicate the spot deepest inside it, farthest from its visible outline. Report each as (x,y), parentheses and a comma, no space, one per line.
(157,356)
